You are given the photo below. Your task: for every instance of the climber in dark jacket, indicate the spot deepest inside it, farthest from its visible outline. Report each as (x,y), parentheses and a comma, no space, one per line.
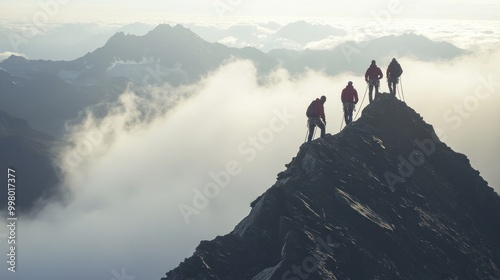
(393,73)
(372,76)
(349,99)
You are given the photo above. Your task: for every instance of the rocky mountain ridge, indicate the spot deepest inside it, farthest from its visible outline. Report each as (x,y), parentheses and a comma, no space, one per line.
(382,199)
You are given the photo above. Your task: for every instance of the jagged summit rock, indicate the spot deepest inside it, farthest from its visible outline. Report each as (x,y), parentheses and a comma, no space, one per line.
(383,199)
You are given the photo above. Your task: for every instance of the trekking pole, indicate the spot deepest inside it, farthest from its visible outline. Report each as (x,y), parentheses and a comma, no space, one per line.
(398,91)
(307,131)
(360,106)
(401,81)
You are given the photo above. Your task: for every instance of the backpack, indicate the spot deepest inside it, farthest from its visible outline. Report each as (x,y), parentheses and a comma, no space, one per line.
(396,70)
(312,110)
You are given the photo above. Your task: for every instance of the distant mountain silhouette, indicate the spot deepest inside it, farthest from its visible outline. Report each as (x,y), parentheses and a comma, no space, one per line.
(356,57)
(62,41)
(172,48)
(173,54)
(304,32)
(382,199)
(177,55)
(136,28)
(29,153)
(47,101)
(268,36)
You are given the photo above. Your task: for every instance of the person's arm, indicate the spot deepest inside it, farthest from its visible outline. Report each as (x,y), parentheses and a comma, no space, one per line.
(356,97)
(381,75)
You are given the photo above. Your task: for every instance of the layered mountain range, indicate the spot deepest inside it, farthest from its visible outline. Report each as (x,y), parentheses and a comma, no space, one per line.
(49,93)
(177,55)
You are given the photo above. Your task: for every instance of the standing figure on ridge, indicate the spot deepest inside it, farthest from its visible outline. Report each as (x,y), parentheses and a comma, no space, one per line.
(372,77)
(316,117)
(349,99)
(393,73)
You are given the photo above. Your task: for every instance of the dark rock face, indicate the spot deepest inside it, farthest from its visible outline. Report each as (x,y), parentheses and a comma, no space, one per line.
(383,199)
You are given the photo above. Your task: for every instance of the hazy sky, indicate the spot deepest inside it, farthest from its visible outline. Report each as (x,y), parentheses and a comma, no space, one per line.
(115,10)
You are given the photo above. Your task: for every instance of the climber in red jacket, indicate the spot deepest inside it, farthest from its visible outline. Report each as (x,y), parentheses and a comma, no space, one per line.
(372,77)
(349,99)
(316,116)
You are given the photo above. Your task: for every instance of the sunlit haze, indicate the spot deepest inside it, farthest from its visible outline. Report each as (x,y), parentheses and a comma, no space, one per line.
(192,10)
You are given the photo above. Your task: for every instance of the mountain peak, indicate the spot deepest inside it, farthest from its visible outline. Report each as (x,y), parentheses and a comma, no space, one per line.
(119,38)
(13,60)
(162,28)
(383,199)
(167,30)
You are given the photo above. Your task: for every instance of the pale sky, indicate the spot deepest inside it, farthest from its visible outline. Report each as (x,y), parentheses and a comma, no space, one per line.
(115,10)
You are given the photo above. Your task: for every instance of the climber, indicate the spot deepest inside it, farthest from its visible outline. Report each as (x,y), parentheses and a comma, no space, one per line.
(372,77)
(349,99)
(316,116)
(393,73)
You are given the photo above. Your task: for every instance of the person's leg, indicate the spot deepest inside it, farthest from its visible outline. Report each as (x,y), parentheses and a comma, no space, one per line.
(370,91)
(321,125)
(312,125)
(350,110)
(346,115)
